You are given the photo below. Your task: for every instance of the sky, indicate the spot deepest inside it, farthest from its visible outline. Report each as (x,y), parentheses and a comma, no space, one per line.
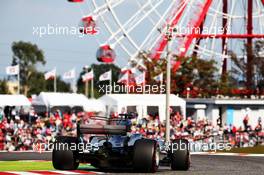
(18,19)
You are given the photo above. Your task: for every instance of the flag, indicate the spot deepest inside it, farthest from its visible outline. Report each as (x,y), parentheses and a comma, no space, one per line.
(125,69)
(140,79)
(50,75)
(12,70)
(159,77)
(69,75)
(133,70)
(124,78)
(88,76)
(129,70)
(105,76)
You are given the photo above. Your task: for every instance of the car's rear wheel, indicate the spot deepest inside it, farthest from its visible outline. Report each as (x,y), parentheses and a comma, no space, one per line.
(180,155)
(146,156)
(63,158)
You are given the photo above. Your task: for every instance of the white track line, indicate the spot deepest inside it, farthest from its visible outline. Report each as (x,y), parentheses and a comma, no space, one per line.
(96,172)
(227,154)
(66,172)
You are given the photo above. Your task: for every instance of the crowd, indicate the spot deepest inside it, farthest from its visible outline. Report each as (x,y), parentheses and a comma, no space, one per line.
(202,130)
(17,134)
(20,133)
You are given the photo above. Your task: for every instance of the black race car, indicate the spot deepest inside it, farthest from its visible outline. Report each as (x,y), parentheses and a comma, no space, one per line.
(111,146)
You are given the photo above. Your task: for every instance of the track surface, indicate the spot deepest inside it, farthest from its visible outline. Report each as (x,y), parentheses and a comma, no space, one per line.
(201,164)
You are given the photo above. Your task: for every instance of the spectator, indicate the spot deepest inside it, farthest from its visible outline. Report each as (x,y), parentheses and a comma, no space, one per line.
(1,140)
(245,122)
(1,114)
(234,130)
(259,121)
(219,121)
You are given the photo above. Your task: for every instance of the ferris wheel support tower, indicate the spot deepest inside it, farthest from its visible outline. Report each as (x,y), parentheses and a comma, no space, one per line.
(249,73)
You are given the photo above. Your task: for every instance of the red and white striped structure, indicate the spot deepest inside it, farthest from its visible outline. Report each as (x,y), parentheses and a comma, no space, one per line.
(133,26)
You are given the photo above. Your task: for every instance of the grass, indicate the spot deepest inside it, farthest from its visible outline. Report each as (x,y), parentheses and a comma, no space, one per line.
(30,165)
(25,165)
(249,150)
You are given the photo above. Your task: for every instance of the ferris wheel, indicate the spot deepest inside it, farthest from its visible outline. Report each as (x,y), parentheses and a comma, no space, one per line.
(203,28)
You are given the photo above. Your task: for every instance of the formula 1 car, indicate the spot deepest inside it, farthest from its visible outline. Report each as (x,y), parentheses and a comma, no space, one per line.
(111,146)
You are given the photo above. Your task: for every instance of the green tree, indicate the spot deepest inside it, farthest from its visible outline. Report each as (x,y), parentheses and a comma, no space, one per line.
(3,87)
(98,69)
(226,84)
(194,73)
(41,84)
(62,86)
(198,75)
(37,78)
(27,55)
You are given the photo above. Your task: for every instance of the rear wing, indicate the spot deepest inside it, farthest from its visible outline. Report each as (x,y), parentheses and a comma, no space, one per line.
(109,129)
(121,117)
(101,129)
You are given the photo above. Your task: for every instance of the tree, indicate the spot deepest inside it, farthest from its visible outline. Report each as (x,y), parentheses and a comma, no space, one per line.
(153,67)
(194,73)
(62,86)
(239,68)
(36,78)
(3,87)
(27,55)
(98,69)
(40,84)
(198,75)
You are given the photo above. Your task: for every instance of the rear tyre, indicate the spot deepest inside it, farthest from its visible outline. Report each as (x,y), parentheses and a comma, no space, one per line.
(146,156)
(63,158)
(180,155)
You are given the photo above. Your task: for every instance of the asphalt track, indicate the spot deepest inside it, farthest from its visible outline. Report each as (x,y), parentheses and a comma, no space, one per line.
(201,164)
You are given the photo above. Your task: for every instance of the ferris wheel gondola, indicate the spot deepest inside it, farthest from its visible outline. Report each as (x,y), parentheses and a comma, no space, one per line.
(88,25)
(105,54)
